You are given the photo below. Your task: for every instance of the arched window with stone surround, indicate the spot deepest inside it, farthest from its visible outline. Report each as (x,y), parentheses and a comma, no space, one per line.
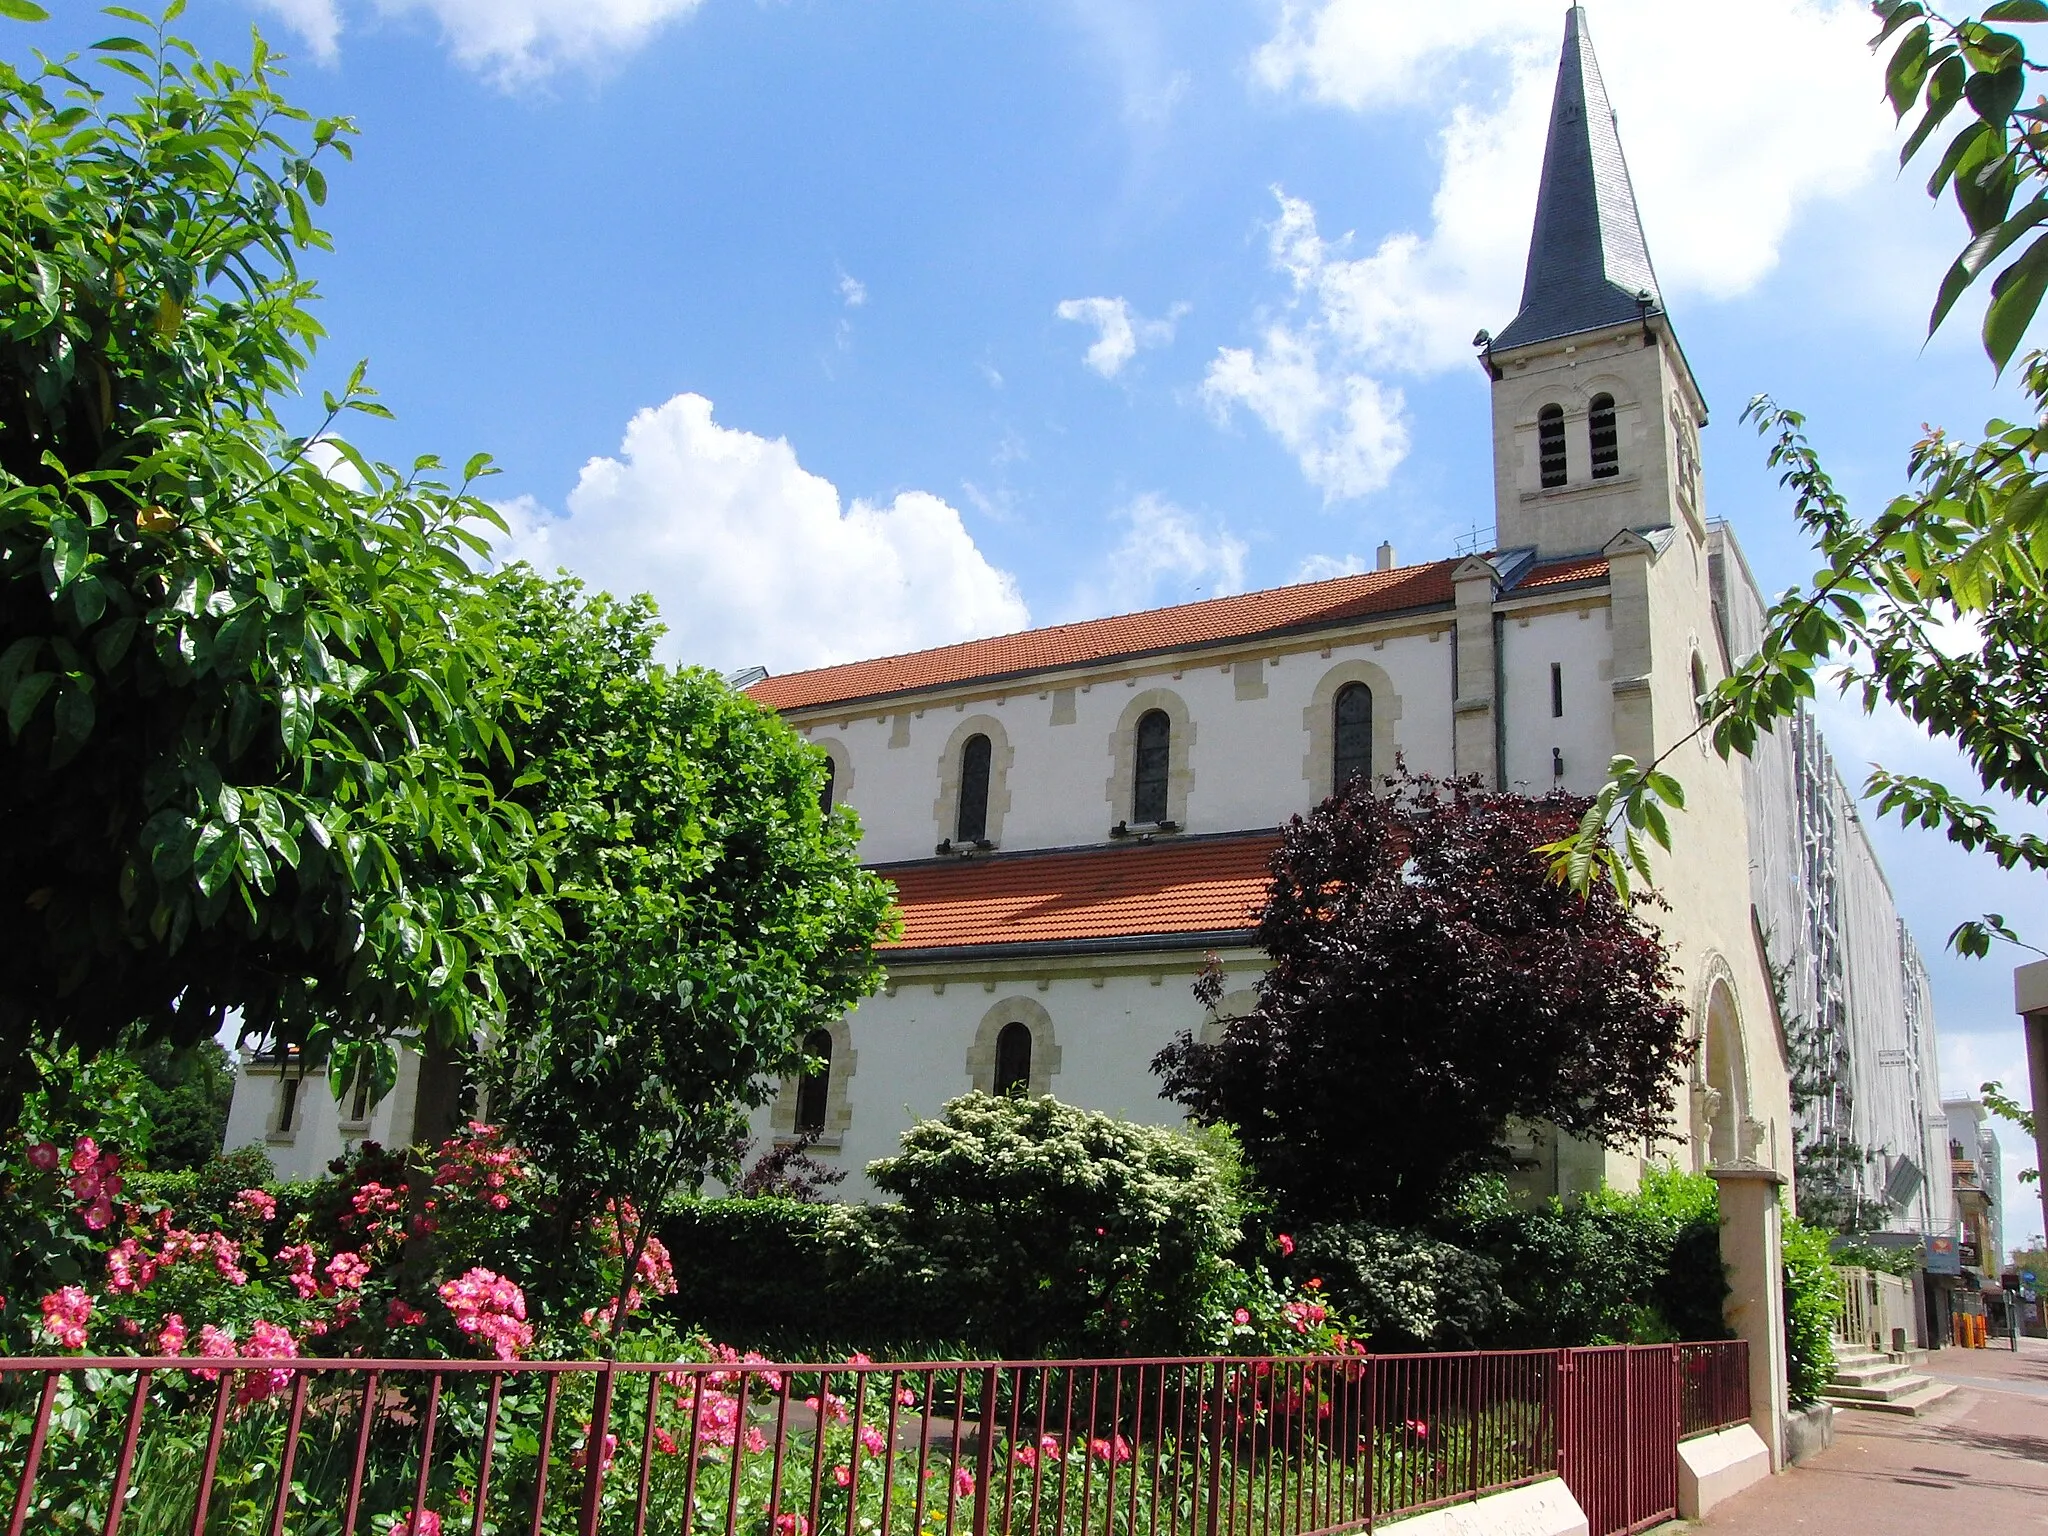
(1550,446)
(971,823)
(1352,736)
(1013,1059)
(814,1088)
(825,789)
(1154,764)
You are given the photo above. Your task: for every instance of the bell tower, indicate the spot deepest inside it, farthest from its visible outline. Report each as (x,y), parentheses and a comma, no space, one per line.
(1596,415)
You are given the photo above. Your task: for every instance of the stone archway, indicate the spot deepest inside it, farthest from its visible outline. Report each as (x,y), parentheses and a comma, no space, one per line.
(1722,1124)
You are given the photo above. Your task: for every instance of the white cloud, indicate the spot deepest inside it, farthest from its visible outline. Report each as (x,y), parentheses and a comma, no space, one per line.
(852,290)
(1166,554)
(1343,426)
(1734,120)
(1328,567)
(318,23)
(511,40)
(753,558)
(1119,330)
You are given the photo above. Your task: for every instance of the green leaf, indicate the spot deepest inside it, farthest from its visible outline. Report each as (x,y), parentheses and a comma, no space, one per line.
(1943,92)
(22,10)
(2017,10)
(295,718)
(1995,94)
(2015,296)
(22,702)
(75,714)
(1908,62)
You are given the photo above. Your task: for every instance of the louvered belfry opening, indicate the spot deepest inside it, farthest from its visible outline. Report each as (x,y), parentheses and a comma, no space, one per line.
(1550,445)
(1605,438)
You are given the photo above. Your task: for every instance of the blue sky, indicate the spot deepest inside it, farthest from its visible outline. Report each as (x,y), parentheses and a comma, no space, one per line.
(1009,310)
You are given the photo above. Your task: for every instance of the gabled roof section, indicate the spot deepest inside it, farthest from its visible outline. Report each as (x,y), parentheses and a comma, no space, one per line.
(1588,260)
(1197,890)
(1218,620)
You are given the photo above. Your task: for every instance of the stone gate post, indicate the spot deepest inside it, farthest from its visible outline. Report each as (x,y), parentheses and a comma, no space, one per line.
(1752,1248)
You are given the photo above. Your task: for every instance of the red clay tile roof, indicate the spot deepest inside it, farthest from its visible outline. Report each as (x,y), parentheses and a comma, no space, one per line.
(1065,645)
(1559,573)
(1217,620)
(1126,890)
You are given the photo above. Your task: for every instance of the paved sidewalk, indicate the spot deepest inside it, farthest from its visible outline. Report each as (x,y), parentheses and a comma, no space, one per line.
(1976,1462)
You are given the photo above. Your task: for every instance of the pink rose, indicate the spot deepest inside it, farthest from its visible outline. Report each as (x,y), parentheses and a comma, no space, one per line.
(43,1157)
(65,1314)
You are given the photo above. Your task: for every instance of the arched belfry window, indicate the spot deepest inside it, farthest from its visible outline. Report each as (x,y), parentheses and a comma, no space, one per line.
(1605,438)
(1154,763)
(1013,1059)
(1353,734)
(1550,445)
(971,824)
(825,789)
(813,1089)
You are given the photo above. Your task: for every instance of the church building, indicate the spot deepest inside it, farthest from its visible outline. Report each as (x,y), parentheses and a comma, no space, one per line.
(1078,818)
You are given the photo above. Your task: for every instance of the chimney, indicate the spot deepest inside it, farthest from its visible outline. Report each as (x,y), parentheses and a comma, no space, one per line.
(1386,559)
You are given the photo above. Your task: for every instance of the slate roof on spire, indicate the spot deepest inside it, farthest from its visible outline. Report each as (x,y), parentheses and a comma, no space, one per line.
(1587,256)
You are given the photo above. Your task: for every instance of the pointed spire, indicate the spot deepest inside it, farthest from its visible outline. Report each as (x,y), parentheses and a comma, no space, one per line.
(1587,258)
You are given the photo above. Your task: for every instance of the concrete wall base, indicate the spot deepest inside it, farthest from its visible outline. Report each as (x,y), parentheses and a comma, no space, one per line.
(1539,1509)
(1809,1431)
(1714,1467)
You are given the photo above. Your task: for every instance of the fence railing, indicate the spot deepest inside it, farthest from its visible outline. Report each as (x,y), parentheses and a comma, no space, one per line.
(1166,1447)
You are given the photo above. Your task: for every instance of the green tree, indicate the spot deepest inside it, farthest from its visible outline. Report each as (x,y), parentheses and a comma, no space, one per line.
(186,1092)
(710,913)
(247,674)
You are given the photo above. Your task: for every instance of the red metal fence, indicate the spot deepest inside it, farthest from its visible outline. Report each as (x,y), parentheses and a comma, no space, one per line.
(1183,1447)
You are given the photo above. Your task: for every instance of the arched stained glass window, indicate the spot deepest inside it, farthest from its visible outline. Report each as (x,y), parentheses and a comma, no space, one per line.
(1013,1059)
(1353,735)
(1550,445)
(814,1089)
(1155,762)
(1605,438)
(825,789)
(971,824)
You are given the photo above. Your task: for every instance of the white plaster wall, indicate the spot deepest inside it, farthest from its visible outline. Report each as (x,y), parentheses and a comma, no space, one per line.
(1579,641)
(912,1050)
(318,1136)
(1246,755)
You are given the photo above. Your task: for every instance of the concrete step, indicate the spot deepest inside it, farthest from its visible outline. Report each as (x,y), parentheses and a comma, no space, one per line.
(1921,1394)
(1869,1373)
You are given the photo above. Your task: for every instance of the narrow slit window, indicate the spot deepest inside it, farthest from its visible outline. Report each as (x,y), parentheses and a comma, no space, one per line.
(1155,761)
(1557,690)
(814,1089)
(287,1104)
(1550,445)
(1605,438)
(1353,735)
(825,789)
(359,1096)
(1013,1059)
(971,824)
